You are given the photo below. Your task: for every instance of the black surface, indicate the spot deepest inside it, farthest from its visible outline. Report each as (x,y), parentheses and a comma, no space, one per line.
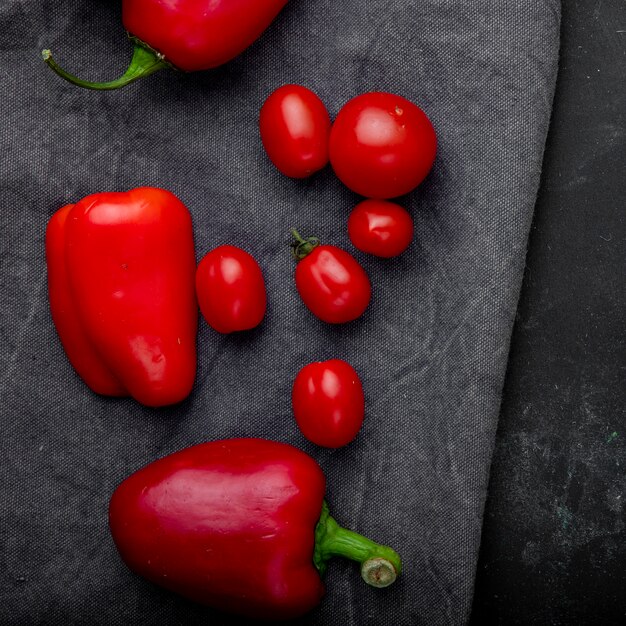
(554,539)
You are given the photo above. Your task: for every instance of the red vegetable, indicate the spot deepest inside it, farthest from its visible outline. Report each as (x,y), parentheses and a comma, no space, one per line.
(190,35)
(295,126)
(330,281)
(328,403)
(121,272)
(380,227)
(239,525)
(230,289)
(382,145)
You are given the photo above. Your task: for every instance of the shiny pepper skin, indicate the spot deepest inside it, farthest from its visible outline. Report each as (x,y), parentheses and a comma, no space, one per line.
(199,34)
(121,270)
(189,35)
(239,525)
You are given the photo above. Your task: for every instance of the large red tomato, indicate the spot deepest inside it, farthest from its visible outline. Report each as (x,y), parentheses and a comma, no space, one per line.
(382,145)
(295,126)
(330,281)
(380,227)
(328,403)
(231,290)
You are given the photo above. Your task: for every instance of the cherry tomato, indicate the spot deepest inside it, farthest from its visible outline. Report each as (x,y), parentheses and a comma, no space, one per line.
(330,281)
(295,127)
(382,145)
(380,227)
(230,289)
(328,403)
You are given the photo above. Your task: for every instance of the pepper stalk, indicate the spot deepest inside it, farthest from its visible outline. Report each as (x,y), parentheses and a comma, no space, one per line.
(145,61)
(380,565)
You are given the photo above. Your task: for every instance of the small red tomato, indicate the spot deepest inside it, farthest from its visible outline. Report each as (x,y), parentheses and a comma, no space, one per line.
(382,145)
(295,126)
(230,289)
(380,227)
(328,403)
(330,281)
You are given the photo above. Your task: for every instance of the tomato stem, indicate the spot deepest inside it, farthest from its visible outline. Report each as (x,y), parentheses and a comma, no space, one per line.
(145,61)
(380,565)
(302,246)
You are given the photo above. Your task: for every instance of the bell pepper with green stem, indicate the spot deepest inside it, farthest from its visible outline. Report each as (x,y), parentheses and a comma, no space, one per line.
(121,285)
(240,525)
(189,35)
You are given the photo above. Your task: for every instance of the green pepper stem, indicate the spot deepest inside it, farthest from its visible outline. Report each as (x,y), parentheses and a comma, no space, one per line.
(380,565)
(145,61)
(302,246)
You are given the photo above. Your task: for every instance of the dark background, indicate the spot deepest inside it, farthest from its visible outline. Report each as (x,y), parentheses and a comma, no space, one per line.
(554,537)
(553,549)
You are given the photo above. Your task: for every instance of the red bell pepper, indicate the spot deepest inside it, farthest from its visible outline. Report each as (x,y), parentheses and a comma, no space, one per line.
(189,35)
(121,272)
(240,525)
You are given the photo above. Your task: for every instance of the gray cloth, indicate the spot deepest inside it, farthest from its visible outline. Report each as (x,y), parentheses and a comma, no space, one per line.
(431,349)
